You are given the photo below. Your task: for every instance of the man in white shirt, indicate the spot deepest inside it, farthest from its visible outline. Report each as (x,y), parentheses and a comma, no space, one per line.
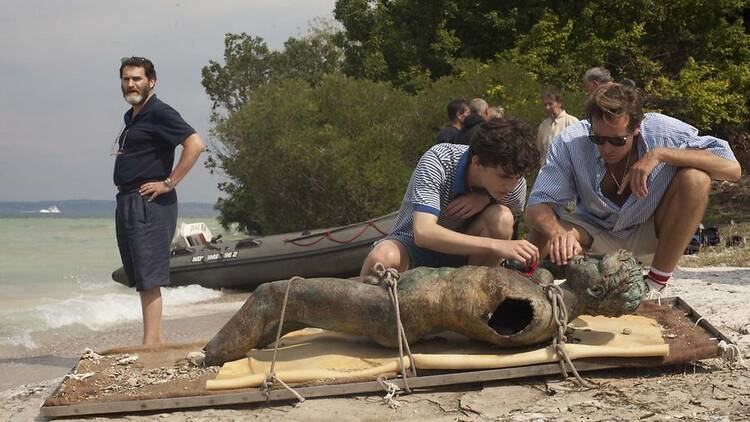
(556,121)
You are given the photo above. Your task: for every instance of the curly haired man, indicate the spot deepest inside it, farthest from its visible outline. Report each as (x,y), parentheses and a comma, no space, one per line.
(461,203)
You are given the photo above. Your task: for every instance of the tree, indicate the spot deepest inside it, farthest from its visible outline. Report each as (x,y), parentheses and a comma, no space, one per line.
(650,41)
(342,150)
(312,156)
(250,64)
(247,66)
(312,56)
(700,95)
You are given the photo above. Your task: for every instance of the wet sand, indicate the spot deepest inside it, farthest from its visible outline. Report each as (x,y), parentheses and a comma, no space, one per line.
(59,349)
(709,390)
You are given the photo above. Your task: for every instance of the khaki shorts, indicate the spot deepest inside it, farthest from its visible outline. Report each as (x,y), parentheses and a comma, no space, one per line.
(641,242)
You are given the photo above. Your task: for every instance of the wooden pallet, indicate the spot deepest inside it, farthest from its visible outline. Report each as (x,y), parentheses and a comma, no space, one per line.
(676,306)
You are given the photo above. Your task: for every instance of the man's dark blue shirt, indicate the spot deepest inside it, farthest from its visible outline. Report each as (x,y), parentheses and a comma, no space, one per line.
(447,135)
(147,143)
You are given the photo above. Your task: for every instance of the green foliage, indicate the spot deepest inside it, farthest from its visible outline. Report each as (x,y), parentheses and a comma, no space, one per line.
(649,41)
(343,150)
(312,56)
(312,156)
(304,146)
(700,95)
(391,40)
(247,65)
(250,64)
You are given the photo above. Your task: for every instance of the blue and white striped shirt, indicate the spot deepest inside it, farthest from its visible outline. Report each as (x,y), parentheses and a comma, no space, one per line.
(438,179)
(574,170)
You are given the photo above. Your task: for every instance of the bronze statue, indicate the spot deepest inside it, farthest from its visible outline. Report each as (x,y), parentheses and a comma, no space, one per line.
(495,305)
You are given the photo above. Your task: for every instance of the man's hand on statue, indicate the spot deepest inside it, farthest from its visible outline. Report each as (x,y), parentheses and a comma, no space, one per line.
(563,247)
(637,176)
(153,189)
(467,205)
(520,250)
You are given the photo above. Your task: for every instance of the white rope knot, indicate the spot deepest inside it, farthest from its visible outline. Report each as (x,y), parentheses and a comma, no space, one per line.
(560,316)
(392,392)
(266,385)
(654,294)
(731,353)
(388,276)
(389,279)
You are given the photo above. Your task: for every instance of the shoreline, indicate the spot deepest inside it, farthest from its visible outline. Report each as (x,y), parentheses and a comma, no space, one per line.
(720,294)
(59,349)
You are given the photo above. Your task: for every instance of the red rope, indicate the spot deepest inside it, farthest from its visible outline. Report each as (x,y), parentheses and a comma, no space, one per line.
(329,235)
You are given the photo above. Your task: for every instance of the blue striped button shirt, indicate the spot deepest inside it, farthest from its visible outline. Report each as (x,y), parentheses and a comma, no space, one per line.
(574,170)
(438,179)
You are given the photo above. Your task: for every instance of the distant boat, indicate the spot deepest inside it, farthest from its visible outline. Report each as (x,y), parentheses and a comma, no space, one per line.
(51,210)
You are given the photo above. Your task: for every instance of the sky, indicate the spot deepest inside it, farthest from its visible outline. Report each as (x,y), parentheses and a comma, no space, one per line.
(60,103)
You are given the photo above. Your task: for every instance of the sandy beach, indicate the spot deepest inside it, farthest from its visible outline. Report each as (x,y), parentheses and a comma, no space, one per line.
(708,390)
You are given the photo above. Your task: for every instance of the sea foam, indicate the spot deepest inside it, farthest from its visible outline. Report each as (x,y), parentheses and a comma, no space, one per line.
(95,312)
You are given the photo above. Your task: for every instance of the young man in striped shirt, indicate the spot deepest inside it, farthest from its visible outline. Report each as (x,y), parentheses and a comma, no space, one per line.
(641,182)
(447,217)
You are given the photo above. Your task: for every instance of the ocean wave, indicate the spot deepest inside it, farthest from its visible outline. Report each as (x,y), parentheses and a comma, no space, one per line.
(95,312)
(87,283)
(17,337)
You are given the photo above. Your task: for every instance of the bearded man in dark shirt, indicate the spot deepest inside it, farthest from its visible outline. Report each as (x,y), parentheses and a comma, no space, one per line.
(146,213)
(457,112)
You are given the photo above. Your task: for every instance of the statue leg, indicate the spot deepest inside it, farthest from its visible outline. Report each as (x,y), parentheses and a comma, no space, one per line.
(255,324)
(343,305)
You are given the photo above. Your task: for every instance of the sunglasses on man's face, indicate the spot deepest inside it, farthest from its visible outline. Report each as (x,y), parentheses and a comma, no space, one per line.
(616,141)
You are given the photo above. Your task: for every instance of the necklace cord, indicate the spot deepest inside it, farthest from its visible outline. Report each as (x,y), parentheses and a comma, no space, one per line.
(622,179)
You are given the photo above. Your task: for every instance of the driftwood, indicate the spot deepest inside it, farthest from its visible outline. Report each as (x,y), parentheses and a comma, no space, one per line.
(495,305)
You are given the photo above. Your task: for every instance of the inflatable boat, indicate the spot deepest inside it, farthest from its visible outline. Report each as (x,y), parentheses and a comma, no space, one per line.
(246,263)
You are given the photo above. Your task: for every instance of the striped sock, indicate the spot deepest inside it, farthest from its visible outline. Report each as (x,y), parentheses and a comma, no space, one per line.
(659,277)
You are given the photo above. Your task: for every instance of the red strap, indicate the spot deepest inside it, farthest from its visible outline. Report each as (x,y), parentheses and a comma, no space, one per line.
(328,235)
(531,270)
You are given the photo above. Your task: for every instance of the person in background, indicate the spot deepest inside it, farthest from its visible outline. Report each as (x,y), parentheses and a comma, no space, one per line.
(479,113)
(497,112)
(457,112)
(641,184)
(557,120)
(594,78)
(628,82)
(146,213)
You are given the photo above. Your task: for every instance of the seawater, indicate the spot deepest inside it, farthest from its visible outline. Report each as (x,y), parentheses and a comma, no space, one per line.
(56,272)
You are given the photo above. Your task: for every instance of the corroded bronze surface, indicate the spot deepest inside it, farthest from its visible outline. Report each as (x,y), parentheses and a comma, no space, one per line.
(495,305)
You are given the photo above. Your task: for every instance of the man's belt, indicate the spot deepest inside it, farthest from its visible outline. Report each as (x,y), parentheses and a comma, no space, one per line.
(132,186)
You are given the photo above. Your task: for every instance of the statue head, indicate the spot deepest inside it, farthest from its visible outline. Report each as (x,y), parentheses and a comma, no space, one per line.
(609,285)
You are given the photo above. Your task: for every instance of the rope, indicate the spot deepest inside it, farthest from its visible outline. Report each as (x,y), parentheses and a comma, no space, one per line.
(732,357)
(389,277)
(271,377)
(654,294)
(329,235)
(560,316)
(697,321)
(392,392)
